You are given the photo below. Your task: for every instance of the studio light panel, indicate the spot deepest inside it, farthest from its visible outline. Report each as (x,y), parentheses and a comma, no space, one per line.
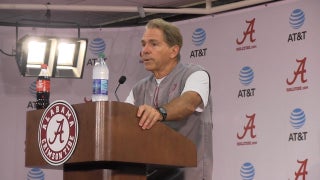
(64,57)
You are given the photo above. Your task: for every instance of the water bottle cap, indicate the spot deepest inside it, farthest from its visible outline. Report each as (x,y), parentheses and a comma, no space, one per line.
(101,55)
(44,66)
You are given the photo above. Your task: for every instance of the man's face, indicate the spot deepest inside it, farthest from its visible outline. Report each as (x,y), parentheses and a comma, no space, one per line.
(156,54)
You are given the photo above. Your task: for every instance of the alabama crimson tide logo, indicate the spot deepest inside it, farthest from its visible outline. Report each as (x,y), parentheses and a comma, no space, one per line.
(58,132)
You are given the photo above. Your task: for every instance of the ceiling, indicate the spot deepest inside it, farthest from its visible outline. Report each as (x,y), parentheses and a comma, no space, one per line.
(109,13)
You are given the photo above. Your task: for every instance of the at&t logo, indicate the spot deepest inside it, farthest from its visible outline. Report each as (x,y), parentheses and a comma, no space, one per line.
(246,77)
(247,171)
(296,21)
(32,90)
(297,120)
(58,133)
(35,174)
(198,38)
(97,46)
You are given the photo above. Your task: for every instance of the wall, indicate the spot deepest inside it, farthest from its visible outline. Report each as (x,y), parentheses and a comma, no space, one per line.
(265,87)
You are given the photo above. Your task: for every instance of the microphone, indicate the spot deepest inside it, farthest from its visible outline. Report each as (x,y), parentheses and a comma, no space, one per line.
(122,79)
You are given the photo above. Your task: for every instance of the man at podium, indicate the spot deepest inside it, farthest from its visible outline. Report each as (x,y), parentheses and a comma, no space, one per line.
(175,94)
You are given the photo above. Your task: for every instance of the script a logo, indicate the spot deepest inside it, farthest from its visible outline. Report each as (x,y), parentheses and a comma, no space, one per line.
(58,132)
(249,127)
(302,171)
(301,71)
(248,33)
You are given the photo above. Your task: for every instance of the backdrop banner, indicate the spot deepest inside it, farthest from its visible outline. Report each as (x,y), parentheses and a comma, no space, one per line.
(264,64)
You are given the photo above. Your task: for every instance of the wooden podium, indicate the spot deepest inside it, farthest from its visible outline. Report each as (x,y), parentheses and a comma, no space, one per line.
(111,145)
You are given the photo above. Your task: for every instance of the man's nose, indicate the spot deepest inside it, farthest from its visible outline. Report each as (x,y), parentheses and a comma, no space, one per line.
(145,50)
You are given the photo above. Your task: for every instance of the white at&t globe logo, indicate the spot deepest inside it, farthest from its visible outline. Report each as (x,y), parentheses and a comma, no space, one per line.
(247,171)
(35,174)
(246,75)
(97,46)
(297,18)
(297,118)
(32,89)
(199,37)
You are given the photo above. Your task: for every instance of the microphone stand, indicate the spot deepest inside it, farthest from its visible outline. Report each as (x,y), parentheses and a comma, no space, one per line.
(116,92)
(121,81)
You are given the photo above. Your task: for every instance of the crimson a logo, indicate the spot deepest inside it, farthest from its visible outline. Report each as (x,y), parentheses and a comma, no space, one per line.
(247,34)
(301,173)
(58,132)
(298,74)
(248,131)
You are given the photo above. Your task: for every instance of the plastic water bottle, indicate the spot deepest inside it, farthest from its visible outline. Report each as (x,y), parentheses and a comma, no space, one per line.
(43,88)
(100,80)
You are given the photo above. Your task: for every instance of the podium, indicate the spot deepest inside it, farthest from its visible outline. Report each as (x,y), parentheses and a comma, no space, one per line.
(111,145)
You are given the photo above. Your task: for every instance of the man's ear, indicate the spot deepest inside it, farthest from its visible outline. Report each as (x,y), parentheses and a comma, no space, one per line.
(174,51)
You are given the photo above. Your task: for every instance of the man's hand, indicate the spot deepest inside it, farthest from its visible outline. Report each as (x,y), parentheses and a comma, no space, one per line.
(148,116)
(178,109)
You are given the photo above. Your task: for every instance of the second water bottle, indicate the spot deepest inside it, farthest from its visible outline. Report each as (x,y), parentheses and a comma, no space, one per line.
(100,80)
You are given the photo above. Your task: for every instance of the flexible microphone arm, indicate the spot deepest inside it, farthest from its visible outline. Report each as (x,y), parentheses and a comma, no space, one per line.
(122,79)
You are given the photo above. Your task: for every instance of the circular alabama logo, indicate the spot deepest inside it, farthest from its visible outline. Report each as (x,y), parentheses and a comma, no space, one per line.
(58,132)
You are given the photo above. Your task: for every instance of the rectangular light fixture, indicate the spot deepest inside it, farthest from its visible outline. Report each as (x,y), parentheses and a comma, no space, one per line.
(33,51)
(70,57)
(64,56)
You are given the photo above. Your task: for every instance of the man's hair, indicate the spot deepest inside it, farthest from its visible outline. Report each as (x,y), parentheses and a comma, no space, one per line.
(171,33)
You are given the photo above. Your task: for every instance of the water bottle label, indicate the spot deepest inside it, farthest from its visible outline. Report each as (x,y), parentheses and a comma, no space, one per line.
(100,87)
(104,86)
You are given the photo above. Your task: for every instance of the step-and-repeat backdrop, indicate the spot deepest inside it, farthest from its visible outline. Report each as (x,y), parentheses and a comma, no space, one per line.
(264,64)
